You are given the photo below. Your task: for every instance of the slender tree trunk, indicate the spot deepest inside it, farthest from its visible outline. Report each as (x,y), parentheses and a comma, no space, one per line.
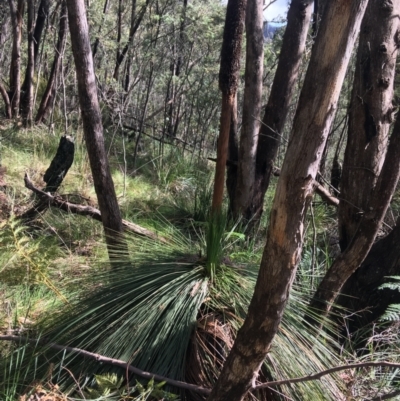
(27,93)
(6,100)
(50,92)
(42,16)
(97,41)
(313,119)
(228,83)
(135,23)
(15,67)
(93,128)
(371,113)
(233,158)
(285,80)
(251,106)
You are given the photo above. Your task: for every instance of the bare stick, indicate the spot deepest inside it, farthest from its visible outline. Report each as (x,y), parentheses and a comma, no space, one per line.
(90,211)
(113,362)
(193,387)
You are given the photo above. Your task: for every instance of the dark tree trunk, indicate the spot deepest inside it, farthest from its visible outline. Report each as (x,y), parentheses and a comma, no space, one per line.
(371,113)
(350,260)
(27,88)
(42,17)
(361,293)
(93,128)
(53,176)
(312,123)
(277,108)
(50,92)
(228,83)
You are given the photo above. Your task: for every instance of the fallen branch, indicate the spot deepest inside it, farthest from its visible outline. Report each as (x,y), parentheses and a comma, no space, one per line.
(114,362)
(57,201)
(193,387)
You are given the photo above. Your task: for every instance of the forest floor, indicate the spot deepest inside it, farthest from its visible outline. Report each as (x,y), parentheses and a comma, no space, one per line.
(51,260)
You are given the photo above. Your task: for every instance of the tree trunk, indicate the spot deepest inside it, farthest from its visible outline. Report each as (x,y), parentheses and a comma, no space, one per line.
(277,108)
(251,106)
(93,128)
(313,119)
(361,293)
(135,22)
(371,113)
(228,83)
(15,66)
(42,16)
(97,41)
(27,92)
(233,158)
(50,92)
(367,230)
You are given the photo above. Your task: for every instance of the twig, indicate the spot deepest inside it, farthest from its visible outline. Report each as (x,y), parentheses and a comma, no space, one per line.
(87,211)
(388,396)
(318,375)
(113,362)
(193,387)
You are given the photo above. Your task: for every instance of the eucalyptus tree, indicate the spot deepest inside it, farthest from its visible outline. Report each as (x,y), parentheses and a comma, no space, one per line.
(48,97)
(17,14)
(370,167)
(251,105)
(228,84)
(285,235)
(277,108)
(93,127)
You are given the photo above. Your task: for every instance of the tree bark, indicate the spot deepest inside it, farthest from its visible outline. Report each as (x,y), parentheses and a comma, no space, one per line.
(367,230)
(313,119)
(285,80)
(15,66)
(42,16)
(93,128)
(233,158)
(49,94)
(361,292)
(27,91)
(228,83)
(371,113)
(251,106)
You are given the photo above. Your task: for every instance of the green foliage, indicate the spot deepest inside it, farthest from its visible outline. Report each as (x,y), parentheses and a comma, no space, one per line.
(20,368)
(26,259)
(392,313)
